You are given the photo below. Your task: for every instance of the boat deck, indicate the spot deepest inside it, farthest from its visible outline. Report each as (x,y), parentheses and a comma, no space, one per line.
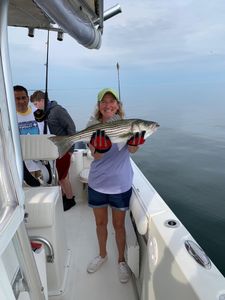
(104,284)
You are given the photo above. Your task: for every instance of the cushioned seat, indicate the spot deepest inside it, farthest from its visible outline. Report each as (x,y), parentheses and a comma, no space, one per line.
(38,147)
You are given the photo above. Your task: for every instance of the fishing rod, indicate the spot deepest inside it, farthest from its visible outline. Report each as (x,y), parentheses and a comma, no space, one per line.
(46,83)
(45,130)
(46,71)
(40,114)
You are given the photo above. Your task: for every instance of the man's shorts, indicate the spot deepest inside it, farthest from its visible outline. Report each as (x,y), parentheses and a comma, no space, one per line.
(117,201)
(63,165)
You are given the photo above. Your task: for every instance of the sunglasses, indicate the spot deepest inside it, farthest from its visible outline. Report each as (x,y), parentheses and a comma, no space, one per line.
(21,98)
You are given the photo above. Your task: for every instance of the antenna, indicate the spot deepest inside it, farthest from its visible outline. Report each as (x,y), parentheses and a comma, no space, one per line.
(118,74)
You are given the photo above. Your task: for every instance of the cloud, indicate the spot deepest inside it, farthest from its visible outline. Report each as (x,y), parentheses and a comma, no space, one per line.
(148,33)
(154,32)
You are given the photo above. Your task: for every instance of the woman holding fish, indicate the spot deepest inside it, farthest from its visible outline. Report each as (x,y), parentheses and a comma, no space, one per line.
(110,180)
(111,140)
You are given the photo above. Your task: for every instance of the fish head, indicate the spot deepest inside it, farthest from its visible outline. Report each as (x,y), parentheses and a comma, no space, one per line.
(143,125)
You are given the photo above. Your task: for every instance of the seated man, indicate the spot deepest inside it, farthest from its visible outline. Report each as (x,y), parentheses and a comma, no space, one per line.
(28,125)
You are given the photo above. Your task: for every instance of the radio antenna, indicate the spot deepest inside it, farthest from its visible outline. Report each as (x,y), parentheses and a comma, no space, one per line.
(118,74)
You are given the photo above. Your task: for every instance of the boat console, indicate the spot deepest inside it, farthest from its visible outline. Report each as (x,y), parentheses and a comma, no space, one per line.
(44,218)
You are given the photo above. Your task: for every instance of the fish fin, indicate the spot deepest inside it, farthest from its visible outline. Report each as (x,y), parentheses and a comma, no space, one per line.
(121,145)
(62,142)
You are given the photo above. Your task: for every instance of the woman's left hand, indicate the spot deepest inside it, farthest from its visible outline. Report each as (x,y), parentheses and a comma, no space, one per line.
(137,139)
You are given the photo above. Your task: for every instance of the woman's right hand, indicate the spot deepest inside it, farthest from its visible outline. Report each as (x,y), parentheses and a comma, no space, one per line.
(100,142)
(96,155)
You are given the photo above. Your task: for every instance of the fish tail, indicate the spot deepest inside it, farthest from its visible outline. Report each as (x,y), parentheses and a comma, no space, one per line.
(63,143)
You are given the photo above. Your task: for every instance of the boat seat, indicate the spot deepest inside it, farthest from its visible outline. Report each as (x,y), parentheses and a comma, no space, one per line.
(41,149)
(38,147)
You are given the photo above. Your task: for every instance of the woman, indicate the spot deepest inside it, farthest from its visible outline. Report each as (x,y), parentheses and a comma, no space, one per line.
(110,181)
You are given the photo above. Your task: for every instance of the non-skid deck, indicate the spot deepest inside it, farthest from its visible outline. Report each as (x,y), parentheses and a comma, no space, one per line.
(104,284)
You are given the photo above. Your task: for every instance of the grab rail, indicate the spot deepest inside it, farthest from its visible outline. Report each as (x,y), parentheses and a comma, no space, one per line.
(50,257)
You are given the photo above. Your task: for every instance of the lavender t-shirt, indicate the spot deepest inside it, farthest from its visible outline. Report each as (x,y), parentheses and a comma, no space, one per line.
(113,173)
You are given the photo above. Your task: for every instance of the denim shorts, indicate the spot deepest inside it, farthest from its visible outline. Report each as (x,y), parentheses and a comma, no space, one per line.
(117,201)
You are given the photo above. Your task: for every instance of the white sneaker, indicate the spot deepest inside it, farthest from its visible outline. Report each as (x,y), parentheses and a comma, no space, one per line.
(124,272)
(96,263)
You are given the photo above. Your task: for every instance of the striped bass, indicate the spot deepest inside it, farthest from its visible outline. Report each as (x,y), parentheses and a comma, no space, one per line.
(118,131)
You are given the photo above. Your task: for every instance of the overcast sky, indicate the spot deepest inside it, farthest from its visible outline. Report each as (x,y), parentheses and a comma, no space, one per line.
(167,49)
